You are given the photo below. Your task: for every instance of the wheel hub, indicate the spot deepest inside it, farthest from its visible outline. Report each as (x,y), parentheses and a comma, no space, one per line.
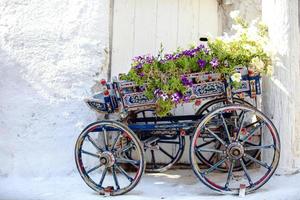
(235,151)
(107,159)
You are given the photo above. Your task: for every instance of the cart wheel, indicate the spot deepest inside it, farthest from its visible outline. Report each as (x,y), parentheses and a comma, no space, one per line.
(102,161)
(216,103)
(209,158)
(236,146)
(162,150)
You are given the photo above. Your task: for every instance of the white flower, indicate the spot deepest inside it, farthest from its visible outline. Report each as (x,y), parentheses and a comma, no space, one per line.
(257,64)
(164,96)
(234,14)
(236,77)
(250,48)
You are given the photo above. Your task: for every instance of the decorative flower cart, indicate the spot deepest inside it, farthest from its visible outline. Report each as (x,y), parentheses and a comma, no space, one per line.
(234,147)
(223,152)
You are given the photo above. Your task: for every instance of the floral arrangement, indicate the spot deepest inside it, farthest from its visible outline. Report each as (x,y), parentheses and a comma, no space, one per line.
(164,74)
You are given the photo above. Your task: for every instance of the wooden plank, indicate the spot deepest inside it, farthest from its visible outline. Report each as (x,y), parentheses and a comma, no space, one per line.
(208,19)
(188,15)
(123,36)
(145,27)
(166,31)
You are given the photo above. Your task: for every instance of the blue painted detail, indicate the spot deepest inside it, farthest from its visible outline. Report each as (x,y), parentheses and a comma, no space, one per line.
(136,99)
(209,89)
(128,96)
(246,85)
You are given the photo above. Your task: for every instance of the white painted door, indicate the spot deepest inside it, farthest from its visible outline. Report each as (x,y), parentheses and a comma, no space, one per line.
(140,26)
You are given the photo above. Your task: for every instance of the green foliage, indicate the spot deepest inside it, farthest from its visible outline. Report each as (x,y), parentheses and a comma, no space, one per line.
(163,75)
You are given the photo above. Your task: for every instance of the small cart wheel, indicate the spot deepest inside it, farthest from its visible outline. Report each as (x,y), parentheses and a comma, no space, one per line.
(101,157)
(162,150)
(208,158)
(235,139)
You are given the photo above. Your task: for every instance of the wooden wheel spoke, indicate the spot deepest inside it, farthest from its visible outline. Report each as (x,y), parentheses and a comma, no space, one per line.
(211,157)
(153,159)
(102,177)
(89,153)
(241,125)
(94,168)
(253,131)
(115,141)
(229,175)
(249,125)
(125,160)
(206,143)
(94,143)
(168,142)
(246,172)
(166,153)
(115,177)
(209,150)
(124,172)
(105,138)
(258,147)
(214,167)
(216,136)
(198,156)
(226,128)
(127,147)
(263,164)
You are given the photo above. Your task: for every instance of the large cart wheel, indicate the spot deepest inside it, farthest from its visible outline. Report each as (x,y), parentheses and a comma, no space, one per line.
(209,158)
(162,148)
(236,148)
(101,157)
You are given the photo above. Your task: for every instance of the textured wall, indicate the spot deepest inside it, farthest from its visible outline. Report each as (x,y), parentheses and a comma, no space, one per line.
(249,10)
(281,94)
(50,51)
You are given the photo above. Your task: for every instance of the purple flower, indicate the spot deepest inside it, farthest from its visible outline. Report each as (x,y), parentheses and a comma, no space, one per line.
(206,50)
(201,63)
(178,56)
(190,52)
(157,92)
(142,74)
(186,99)
(144,59)
(141,88)
(175,97)
(185,81)
(169,56)
(149,59)
(139,66)
(200,47)
(214,62)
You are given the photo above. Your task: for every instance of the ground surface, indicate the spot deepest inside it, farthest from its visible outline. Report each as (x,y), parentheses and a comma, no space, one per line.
(175,184)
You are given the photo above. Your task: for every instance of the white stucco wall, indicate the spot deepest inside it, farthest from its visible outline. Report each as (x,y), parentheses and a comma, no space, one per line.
(50,52)
(281,92)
